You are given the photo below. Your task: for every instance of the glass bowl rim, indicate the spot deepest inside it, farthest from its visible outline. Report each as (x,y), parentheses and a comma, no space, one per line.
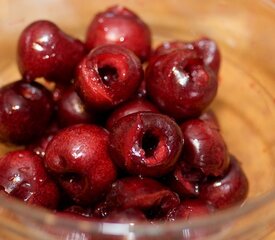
(219,218)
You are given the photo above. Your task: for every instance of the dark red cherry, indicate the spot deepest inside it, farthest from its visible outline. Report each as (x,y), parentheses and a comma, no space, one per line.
(108,76)
(25,111)
(23,175)
(129,215)
(204,147)
(144,194)
(134,106)
(180,84)
(119,25)
(45,51)
(78,159)
(145,143)
(71,109)
(189,209)
(227,190)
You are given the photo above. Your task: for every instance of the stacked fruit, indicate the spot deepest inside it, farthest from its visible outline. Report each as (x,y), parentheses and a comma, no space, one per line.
(112,141)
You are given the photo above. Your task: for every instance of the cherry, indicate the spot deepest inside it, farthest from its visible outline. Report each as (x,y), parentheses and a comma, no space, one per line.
(204,147)
(144,194)
(25,111)
(23,175)
(108,76)
(119,25)
(78,158)
(145,143)
(180,84)
(71,109)
(134,106)
(45,51)
(227,190)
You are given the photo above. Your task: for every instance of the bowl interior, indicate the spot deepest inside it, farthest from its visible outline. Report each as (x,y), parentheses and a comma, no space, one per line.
(244,31)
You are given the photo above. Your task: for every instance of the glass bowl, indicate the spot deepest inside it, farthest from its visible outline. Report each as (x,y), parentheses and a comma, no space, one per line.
(245,33)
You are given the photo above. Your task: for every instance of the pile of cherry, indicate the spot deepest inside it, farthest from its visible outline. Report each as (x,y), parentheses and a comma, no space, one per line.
(116,131)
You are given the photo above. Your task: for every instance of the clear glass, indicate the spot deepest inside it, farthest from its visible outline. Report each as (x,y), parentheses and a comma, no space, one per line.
(245,33)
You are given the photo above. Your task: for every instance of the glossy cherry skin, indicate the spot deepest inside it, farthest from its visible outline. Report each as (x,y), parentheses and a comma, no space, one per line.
(146,144)
(180,84)
(134,106)
(23,175)
(71,109)
(204,147)
(45,51)
(185,179)
(78,159)
(227,190)
(119,25)
(25,111)
(108,76)
(144,194)
(205,47)
(189,209)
